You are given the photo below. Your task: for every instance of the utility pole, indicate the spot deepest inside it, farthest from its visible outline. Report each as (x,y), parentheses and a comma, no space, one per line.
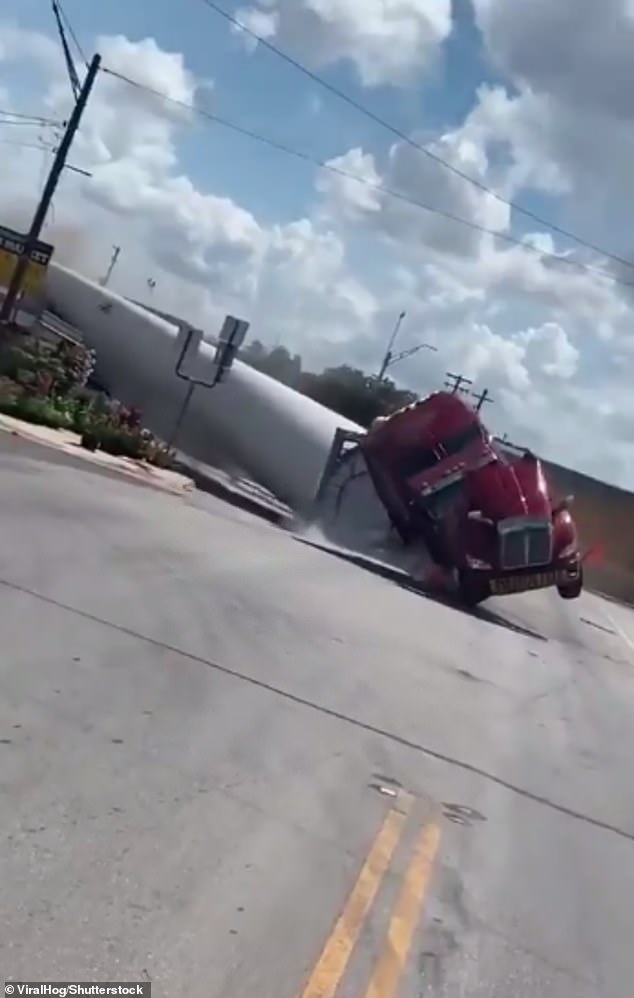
(390,346)
(113,260)
(59,162)
(482,398)
(457,383)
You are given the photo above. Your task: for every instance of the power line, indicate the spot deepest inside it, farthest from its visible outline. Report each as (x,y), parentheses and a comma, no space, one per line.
(71,32)
(23,122)
(24,119)
(26,145)
(379,188)
(68,58)
(404,137)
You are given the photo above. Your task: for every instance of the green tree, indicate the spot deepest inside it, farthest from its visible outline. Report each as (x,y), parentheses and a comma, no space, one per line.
(278,363)
(354,394)
(347,390)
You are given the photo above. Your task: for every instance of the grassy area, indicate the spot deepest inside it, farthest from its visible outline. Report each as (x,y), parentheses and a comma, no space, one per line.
(47,385)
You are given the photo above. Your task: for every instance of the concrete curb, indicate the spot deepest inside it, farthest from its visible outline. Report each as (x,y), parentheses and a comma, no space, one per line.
(132,471)
(222,487)
(189,477)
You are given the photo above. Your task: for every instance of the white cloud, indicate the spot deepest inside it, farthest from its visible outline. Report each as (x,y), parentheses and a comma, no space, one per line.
(546,338)
(345,195)
(18,43)
(577,51)
(552,350)
(389,41)
(570,120)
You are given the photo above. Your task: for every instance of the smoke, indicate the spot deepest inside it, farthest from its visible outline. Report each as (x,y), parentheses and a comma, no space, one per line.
(17,213)
(73,246)
(73,241)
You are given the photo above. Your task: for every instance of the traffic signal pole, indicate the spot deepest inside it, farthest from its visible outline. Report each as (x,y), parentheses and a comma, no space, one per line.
(59,162)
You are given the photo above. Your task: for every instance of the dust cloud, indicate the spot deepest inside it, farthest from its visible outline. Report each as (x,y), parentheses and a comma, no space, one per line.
(351,519)
(72,241)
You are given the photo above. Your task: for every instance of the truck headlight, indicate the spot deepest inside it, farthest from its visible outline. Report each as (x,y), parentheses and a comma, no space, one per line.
(477,563)
(569,550)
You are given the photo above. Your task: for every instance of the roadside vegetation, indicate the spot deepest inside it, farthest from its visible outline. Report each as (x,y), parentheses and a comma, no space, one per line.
(347,390)
(48,384)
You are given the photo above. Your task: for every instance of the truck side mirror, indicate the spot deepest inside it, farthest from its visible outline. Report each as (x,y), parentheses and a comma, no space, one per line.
(563,505)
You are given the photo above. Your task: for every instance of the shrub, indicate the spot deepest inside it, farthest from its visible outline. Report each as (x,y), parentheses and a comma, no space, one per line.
(46,385)
(159,454)
(118,431)
(32,409)
(76,363)
(121,442)
(45,369)
(9,389)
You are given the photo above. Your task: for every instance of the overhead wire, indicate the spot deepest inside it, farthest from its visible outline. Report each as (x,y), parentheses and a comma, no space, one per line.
(24,119)
(69,27)
(330,167)
(404,137)
(25,145)
(68,57)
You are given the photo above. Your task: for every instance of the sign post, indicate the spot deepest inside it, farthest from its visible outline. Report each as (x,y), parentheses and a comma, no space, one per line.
(12,250)
(188,343)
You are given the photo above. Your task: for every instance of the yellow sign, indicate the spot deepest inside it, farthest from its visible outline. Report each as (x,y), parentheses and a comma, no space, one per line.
(12,246)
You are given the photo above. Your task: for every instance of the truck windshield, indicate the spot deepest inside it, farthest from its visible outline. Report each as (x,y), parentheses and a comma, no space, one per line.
(424,459)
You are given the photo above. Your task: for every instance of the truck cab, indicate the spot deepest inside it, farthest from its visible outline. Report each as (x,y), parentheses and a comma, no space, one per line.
(418,458)
(486,518)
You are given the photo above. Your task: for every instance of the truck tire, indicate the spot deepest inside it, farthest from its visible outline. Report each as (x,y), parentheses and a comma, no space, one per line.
(472,590)
(572,590)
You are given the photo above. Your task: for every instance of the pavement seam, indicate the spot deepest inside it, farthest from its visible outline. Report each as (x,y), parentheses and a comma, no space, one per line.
(330,712)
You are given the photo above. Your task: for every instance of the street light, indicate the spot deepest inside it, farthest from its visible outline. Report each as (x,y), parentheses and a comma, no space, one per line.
(391,358)
(395,358)
(388,353)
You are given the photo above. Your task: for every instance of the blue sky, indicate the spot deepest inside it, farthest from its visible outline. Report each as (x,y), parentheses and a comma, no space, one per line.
(482,304)
(262,93)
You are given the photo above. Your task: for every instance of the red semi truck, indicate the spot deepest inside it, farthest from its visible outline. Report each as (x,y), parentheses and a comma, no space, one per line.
(488,519)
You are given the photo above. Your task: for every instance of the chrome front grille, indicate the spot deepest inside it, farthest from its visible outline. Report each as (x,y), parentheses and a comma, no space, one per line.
(525,544)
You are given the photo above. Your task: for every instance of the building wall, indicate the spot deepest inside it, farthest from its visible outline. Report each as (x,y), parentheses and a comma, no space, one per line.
(605,516)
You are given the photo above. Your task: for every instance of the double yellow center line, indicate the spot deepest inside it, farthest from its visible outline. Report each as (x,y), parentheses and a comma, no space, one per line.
(390,964)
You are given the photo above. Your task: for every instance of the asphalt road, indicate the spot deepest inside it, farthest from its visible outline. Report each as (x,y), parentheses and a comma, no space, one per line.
(196,713)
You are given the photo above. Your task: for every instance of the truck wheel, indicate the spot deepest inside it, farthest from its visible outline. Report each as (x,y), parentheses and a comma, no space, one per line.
(571,590)
(473,591)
